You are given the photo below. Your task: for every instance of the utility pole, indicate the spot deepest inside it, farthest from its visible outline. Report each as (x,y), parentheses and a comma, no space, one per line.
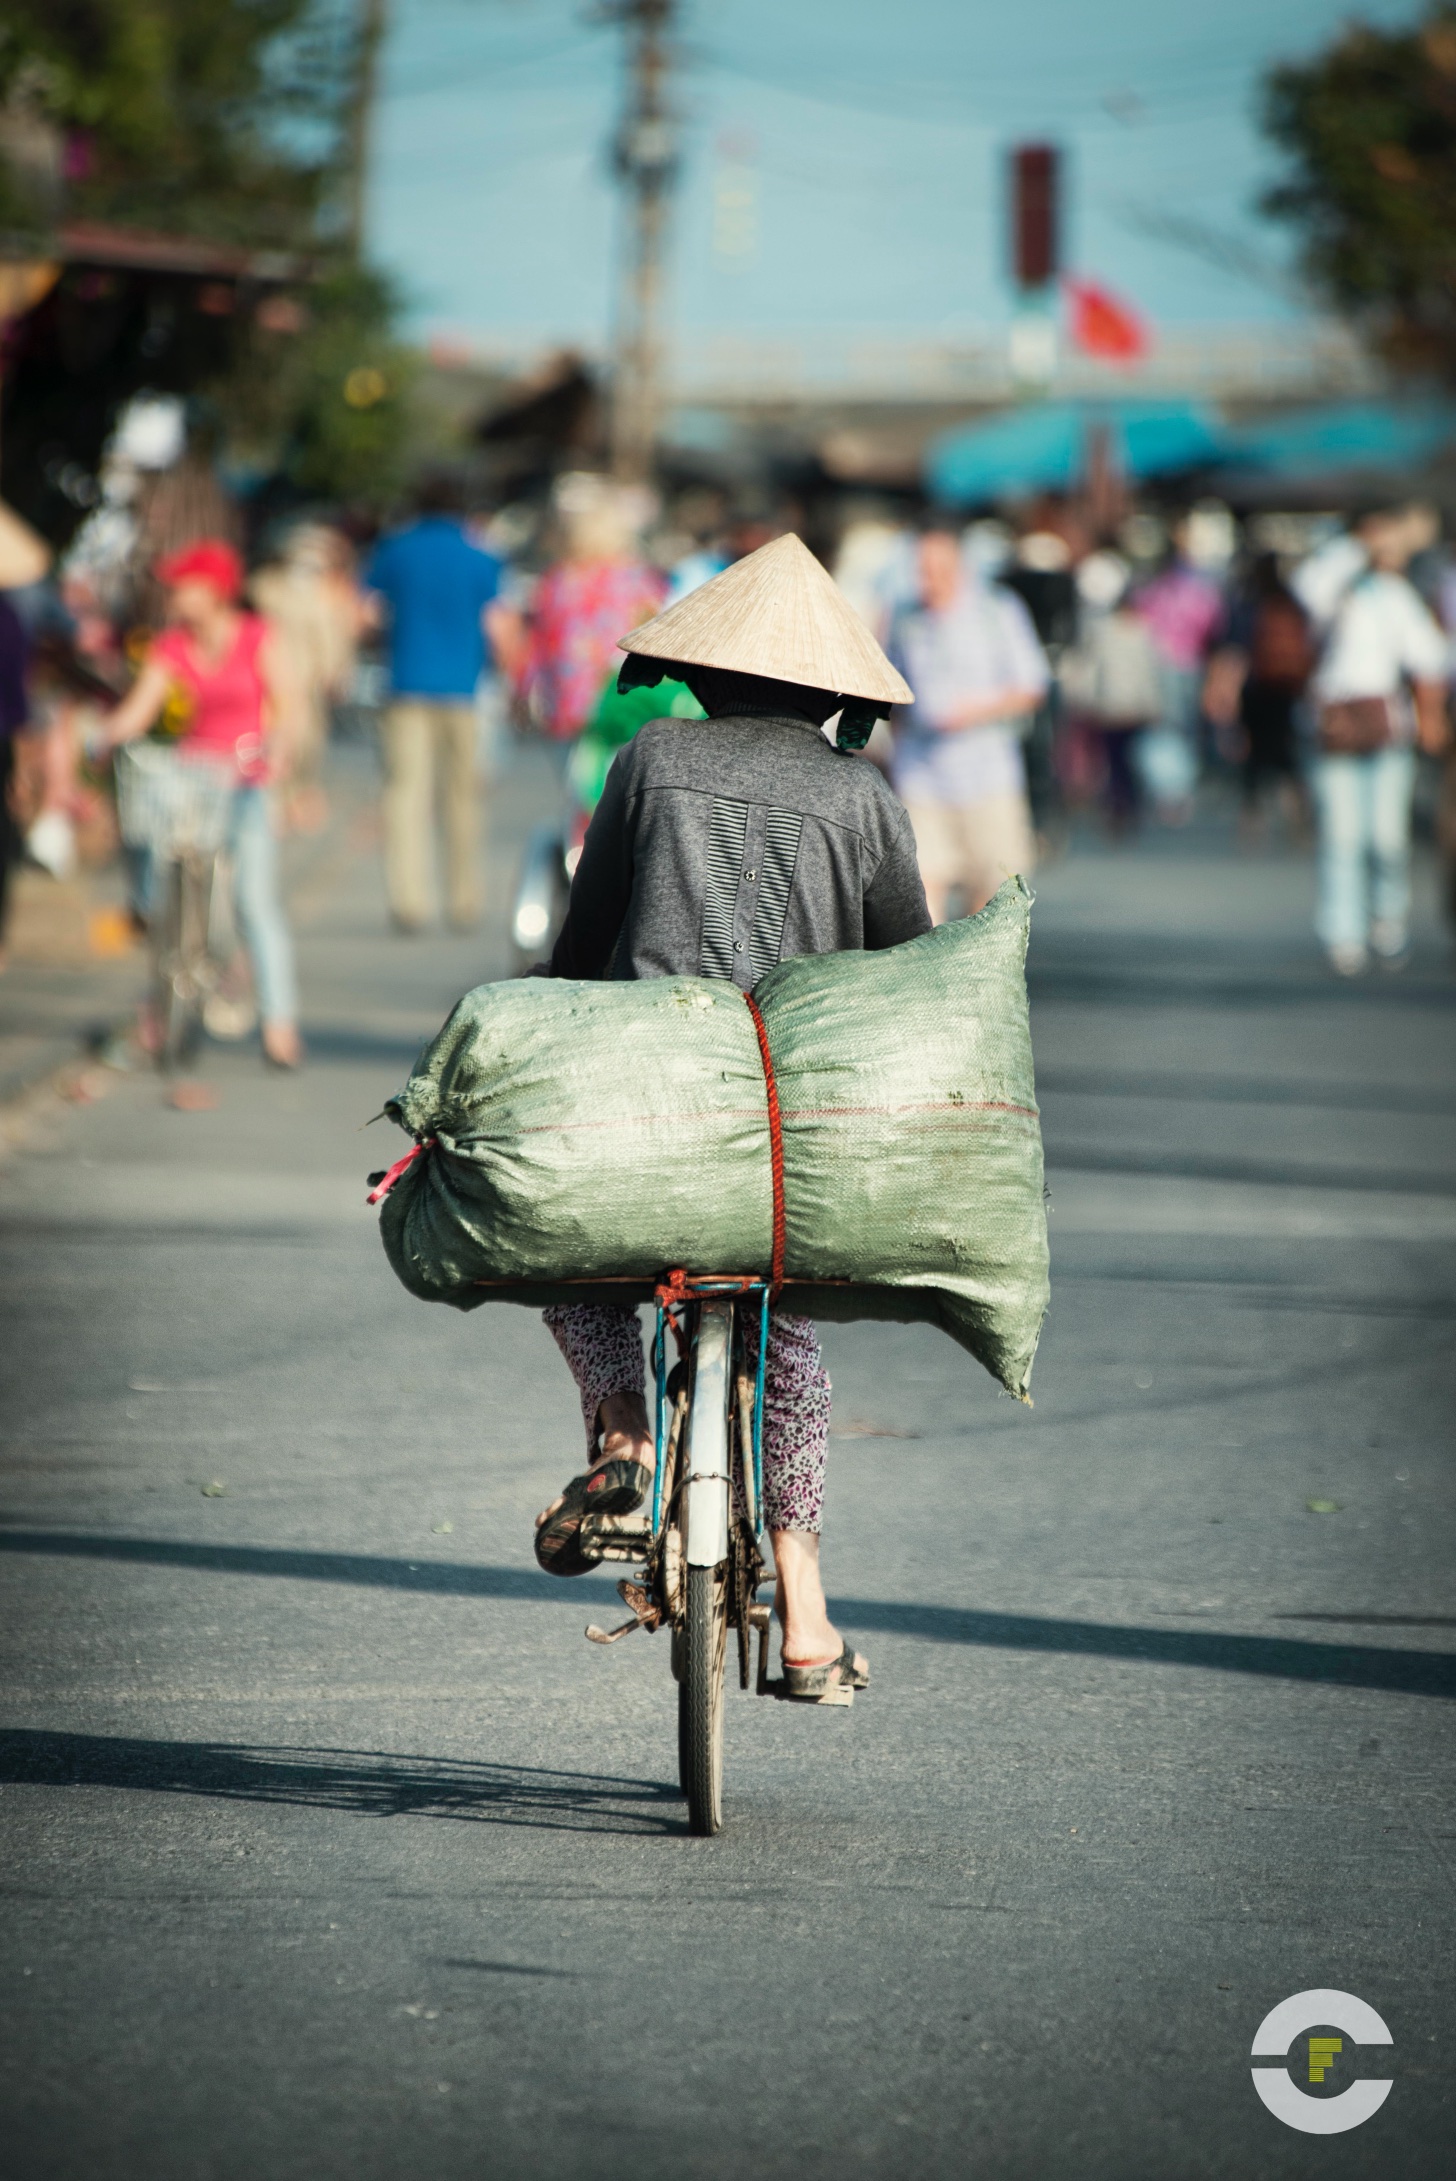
(359,121)
(645,155)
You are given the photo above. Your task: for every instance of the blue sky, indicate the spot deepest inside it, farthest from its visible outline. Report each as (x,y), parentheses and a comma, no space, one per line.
(843,159)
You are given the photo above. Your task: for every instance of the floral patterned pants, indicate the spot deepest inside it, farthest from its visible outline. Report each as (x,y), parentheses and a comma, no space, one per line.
(602,1344)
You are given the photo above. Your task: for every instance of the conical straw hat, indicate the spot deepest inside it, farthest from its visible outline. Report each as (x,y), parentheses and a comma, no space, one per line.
(24,557)
(777,613)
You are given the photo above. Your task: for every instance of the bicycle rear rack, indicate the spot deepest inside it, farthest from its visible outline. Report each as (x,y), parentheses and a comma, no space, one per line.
(673,1295)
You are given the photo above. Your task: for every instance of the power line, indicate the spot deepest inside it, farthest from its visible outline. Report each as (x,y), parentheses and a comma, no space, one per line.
(1214,245)
(450,75)
(917,103)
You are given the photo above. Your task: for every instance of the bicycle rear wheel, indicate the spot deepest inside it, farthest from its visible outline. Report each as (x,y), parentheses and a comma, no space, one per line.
(183,962)
(167,945)
(700,1698)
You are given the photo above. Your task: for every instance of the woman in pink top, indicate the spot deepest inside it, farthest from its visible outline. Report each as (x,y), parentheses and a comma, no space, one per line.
(224,667)
(561,655)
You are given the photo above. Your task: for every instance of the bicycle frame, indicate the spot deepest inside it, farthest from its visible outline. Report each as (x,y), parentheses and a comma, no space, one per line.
(713,1294)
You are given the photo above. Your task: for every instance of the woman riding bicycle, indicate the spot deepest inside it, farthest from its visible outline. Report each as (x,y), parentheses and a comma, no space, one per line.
(720,847)
(224,665)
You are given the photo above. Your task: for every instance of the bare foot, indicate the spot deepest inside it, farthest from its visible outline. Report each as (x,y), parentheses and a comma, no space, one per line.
(149,1029)
(811,1643)
(809,1637)
(282,1044)
(625,1435)
(308,810)
(193,1097)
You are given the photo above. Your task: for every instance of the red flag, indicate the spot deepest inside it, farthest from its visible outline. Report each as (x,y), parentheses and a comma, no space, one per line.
(1102,326)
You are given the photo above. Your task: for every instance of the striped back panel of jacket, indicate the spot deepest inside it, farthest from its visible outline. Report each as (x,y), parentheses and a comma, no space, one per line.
(777,858)
(727,835)
(752,851)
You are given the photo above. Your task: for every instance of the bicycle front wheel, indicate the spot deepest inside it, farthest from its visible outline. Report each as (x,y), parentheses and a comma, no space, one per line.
(700,1697)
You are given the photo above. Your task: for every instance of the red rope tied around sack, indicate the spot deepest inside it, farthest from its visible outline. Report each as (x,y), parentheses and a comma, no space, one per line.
(679,1286)
(391,1174)
(775,1147)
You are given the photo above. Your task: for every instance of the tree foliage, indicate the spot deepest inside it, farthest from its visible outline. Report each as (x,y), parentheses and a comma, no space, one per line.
(211,117)
(327,410)
(1370,130)
(227,120)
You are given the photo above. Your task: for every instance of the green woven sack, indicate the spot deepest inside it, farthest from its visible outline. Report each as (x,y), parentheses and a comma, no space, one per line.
(609,1132)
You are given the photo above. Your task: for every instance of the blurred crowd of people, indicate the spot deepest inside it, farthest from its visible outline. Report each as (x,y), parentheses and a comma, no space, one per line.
(1055,674)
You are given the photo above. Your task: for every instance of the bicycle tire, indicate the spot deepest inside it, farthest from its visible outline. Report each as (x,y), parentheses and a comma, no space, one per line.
(167,944)
(700,1699)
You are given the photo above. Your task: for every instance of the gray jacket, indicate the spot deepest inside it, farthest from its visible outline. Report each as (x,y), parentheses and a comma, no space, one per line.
(723,846)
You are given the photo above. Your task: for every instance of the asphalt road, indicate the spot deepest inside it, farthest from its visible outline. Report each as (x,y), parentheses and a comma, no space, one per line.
(331,1849)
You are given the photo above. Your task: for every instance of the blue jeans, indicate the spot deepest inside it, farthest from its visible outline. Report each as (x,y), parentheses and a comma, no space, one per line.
(1363,805)
(257,900)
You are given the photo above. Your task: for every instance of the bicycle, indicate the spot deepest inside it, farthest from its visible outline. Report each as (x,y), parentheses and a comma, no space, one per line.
(699,1548)
(174,812)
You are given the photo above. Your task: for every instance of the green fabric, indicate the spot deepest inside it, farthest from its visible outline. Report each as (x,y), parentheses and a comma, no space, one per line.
(589,1132)
(614,722)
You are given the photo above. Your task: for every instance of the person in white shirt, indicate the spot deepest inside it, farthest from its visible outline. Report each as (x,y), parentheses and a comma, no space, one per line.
(971,654)
(1379,693)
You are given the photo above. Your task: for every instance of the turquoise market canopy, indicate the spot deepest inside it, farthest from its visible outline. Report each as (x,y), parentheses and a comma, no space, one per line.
(1044,446)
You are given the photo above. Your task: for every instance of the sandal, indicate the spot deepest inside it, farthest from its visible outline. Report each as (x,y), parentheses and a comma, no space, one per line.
(832,1683)
(612,1488)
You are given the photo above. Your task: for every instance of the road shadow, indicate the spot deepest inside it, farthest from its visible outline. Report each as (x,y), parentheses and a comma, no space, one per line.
(1214,974)
(506,1968)
(364,1783)
(441,1578)
(1192,1086)
(1280,1172)
(1282,1658)
(1376,1620)
(342,1041)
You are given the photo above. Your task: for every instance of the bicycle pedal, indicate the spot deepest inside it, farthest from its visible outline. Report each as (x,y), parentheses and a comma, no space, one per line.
(642,1603)
(615,1537)
(840,1698)
(758,1617)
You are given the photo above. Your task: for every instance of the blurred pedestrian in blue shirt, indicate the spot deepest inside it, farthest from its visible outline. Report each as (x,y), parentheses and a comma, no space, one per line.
(969,651)
(436,587)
